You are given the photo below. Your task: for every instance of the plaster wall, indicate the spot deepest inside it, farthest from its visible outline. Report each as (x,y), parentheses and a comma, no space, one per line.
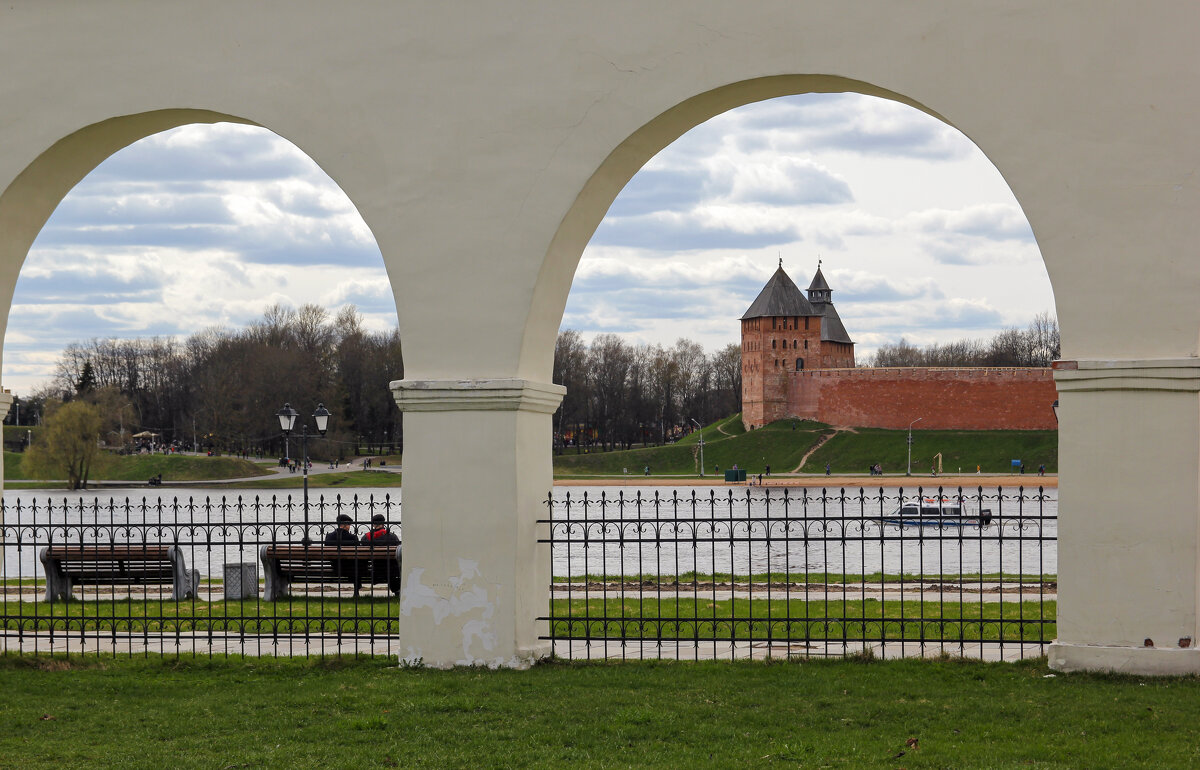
(483,143)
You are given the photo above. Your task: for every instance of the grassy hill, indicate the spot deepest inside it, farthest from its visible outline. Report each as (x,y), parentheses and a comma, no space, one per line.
(141,467)
(783,444)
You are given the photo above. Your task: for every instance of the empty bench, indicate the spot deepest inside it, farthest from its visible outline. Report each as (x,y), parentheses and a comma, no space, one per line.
(70,565)
(357,564)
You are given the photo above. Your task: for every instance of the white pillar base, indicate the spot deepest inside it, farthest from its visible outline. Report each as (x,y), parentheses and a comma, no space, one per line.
(477,473)
(1129,542)
(1152,661)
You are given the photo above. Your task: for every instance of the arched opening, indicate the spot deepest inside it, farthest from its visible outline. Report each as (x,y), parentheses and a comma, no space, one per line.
(144,232)
(921,236)
(821,352)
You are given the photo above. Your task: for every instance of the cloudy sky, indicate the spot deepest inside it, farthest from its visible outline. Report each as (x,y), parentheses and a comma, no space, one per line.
(204,225)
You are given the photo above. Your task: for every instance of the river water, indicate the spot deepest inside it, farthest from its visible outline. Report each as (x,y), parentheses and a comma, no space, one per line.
(615,532)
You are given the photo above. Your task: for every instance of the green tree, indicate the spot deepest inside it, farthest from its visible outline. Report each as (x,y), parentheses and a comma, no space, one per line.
(87,379)
(67,446)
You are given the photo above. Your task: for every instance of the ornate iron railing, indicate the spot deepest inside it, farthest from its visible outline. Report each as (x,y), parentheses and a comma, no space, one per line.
(764,572)
(186,576)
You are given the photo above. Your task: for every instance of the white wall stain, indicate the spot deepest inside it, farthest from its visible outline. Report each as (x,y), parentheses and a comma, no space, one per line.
(468,594)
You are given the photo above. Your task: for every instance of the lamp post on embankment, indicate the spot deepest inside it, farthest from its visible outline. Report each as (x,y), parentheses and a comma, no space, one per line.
(287,422)
(701,445)
(914,422)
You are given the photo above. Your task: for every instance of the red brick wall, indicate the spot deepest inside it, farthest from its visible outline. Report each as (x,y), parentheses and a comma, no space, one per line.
(964,399)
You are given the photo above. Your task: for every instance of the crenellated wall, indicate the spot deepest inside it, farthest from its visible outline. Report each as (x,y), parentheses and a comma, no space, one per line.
(962,399)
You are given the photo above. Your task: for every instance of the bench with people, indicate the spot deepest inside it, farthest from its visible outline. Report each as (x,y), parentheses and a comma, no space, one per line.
(341,558)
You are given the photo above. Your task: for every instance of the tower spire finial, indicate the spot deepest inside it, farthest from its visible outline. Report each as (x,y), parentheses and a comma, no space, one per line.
(781,261)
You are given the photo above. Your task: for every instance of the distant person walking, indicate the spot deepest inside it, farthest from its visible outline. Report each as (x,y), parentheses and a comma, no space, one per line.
(827,470)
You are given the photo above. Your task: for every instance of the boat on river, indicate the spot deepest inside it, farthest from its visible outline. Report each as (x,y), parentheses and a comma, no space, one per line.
(938,512)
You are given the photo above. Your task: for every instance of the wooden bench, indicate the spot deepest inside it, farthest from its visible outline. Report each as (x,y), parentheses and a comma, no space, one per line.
(127,564)
(357,564)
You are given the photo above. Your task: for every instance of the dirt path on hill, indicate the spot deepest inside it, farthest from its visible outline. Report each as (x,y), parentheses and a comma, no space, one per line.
(820,443)
(722,431)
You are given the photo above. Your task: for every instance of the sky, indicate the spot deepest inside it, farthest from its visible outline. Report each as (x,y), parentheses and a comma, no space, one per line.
(917,233)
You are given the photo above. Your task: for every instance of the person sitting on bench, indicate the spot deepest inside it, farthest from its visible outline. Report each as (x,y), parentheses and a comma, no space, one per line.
(342,536)
(381,535)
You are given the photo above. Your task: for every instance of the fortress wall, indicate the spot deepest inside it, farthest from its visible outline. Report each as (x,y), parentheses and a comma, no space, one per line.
(947,399)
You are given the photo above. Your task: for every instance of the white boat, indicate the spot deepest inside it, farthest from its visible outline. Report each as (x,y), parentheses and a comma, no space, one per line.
(937,512)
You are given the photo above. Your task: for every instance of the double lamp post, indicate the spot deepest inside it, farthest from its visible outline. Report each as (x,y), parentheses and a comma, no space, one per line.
(287,422)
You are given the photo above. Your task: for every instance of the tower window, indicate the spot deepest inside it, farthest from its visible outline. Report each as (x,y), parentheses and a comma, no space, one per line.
(805,323)
(806,344)
(799,364)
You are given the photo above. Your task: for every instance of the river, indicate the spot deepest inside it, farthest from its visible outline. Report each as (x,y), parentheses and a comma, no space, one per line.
(617,532)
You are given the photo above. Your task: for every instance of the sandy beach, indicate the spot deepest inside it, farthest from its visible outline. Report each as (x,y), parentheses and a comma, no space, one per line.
(821,480)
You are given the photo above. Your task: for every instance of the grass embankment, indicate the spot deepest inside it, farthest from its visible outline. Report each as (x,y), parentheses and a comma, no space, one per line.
(777,445)
(369,713)
(781,445)
(110,467)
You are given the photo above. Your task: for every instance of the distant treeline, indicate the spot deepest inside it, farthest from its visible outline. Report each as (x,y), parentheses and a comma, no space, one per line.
(221,388)
(1036,345)
(620,395)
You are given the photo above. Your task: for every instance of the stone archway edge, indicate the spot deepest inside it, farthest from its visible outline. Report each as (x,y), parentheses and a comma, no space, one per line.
(501,394)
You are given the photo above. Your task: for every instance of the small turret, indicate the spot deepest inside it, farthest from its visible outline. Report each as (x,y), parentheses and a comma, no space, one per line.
(818,290)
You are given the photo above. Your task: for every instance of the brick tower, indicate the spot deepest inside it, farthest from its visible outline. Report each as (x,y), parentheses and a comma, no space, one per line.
(782,333)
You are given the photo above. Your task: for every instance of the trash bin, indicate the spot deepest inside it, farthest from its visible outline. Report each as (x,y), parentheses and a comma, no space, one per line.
(241,580)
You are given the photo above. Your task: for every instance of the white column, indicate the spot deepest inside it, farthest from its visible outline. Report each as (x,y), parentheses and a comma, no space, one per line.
(1129,507)
(477,473)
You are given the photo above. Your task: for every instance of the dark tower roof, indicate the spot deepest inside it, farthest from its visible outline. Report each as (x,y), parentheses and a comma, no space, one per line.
(779,297)
(821,298)
(832,329)
(818,281)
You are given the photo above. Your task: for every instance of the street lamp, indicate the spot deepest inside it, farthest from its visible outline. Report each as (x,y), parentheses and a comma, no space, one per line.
(701,446)
(1054,407)
(914,422)
(287,422)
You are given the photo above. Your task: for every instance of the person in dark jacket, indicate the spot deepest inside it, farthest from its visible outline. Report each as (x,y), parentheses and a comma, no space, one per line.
(343,537)
(380,568)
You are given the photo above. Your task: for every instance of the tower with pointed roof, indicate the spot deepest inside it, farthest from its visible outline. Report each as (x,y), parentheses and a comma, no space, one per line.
(784,332)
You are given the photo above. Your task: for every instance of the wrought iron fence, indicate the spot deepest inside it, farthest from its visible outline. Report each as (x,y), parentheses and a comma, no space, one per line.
(776,572)
(202,577)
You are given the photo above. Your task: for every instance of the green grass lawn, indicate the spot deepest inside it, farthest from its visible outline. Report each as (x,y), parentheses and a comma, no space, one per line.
(158,713)
(782,445)
(994,451)
(630,616)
